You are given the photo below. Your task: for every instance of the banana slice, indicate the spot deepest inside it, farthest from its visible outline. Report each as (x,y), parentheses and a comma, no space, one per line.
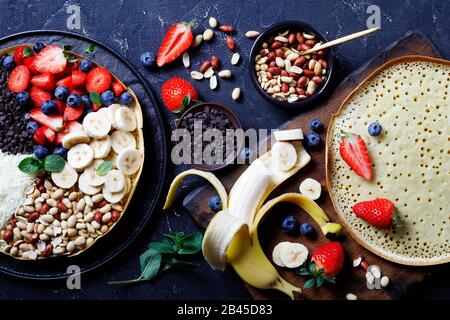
(114,197)
(125,119)
(115,181)
(93,178)
(96,125)
(284,155)
(104,112)
(66,178)
(101,147)
(276,254)
(129,161)
(288,135)
(74,138)
(121,140)
(86,187)
(311,188)
(80,156)
(293,255)
(112,113)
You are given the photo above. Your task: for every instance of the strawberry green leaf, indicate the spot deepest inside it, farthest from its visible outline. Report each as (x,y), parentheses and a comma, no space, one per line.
(186,100)
(67,47)
(309,283)
(27,52)
(319,281)
(90,49)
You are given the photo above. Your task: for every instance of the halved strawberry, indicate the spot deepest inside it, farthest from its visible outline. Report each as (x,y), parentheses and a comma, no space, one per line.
(38,96)
(51,60)
(98,80)
(29,62)
(78,78)
(96,108)
(61,106)
(67,71)
(18,55)
(49,134)
(56,123)
(118,88)
(66,82)
(44,81)
(19,79)
(39,137)
(71,114)
(177,40)
(354,152)
(79,91)
(71,126)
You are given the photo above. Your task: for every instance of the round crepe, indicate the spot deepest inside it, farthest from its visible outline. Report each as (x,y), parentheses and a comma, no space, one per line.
(409,97)
(132,180)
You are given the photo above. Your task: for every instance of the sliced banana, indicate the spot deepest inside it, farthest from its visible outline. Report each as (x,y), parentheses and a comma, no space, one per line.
(129,161)
(114,197)
(104,112)
(125,119)
(288,135)
(293,255)
(80,156)
(66,178)
(96,125)
(74,138)
(276,254)
(85,186)
(101,147)
(112,113)
(115,181)
(121,140)
(311,188)
(91,172)
(284,155)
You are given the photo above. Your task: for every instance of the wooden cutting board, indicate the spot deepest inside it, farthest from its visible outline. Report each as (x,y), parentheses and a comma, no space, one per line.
(351,279)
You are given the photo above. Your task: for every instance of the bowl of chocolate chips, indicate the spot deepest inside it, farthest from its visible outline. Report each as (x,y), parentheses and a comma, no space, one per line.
(209,136)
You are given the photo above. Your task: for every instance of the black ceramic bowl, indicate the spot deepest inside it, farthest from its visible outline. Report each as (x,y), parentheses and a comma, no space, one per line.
(291,26)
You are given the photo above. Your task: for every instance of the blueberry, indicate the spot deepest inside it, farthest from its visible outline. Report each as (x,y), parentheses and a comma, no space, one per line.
(86,65)
(40,152)
(49,107)
(38,46)
(61,93)
(289,224)
(8,63)
(22,98)
(316,125)
(126,98)
(73,100)
(60,151)
(108,98)
(148,59)
(312,140)
(32,126)
(307,230)
(374,129)
(86,100)
(215,204)
(245,154)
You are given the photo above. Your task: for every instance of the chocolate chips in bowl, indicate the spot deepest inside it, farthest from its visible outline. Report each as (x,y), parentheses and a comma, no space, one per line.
(208,136)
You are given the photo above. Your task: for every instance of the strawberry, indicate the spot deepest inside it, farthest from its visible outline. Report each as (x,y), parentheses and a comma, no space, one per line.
(118,88)
(98,80)
(53,122)
(29,62)
(48,133)
(177,40)
(381,213)
(66,82)
(78,78)
(38,96)
(19,79)
(44,81)
(67,71)
(177,93)
(96,108)
(326,262)
(51,59)
(61,106)
(79,92)
(70,126)
(18,55)
(39,137)
(354,152)
(71,114)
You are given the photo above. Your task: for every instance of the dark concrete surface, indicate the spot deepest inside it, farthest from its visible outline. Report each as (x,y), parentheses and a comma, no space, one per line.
(131,27)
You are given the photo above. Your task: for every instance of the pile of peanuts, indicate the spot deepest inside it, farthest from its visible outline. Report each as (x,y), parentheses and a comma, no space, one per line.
(285,74)
(54,221)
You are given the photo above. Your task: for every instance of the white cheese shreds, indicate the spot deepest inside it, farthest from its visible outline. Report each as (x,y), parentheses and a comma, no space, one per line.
(13,185)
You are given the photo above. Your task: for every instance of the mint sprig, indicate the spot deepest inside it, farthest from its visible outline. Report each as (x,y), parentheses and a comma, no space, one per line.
(95,98)
(27,52)
(51,163)
(90,49)
(104,168)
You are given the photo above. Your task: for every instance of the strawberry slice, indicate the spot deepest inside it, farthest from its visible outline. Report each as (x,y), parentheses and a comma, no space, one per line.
(98,80)
(51,60)
(68,70)
(38,96)
(71,126)
(79,92)
(354,152)
(96,108)
(29,62)
(118,88)
(19,79)
(44,81)
(66,82)
(39,137)
(78,78)
(177,40)
(61,106)
(71,114)
(55,123)
(49,134)
(18,55)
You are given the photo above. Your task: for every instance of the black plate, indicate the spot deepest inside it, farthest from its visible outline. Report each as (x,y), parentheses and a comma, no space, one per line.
(151,182)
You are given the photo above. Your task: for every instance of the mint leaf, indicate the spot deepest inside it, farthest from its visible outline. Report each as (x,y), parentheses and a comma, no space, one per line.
(30,165)
(191,244)
(161,247)
(27,52)
(54,163)
(150,264)
(90,49)
(95,98)
(104,168)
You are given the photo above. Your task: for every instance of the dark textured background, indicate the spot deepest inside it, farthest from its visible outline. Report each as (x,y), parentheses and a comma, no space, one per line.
(130,27)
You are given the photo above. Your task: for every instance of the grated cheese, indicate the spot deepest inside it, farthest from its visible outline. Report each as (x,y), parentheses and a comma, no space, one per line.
(14,185)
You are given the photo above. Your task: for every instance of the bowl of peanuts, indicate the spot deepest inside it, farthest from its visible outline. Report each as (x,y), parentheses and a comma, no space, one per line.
(282,73)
